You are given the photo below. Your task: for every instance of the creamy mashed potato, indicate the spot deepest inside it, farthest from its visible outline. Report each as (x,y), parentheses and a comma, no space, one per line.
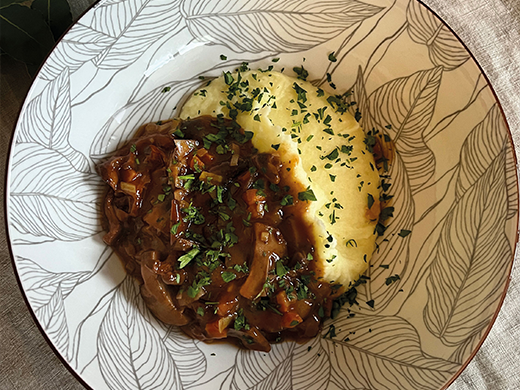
(326,148)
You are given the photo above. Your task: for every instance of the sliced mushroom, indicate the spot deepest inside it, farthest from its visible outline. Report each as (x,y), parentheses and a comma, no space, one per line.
(156,293)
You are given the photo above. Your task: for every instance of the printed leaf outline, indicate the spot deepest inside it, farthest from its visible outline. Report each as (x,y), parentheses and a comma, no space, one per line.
(392,250)
(53,319)
(407,105)
(277,25)
(472,246)
(153,106)
(131,353)
(480,148)
(114,36)
(189,359)
(47,119)
(49,198)
(47,291)
(378,352)
(443,47)
(289,366)
(135,25)
(81,44)
(41,285)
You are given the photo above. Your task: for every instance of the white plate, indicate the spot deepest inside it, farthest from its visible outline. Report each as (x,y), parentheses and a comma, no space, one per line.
(454,183)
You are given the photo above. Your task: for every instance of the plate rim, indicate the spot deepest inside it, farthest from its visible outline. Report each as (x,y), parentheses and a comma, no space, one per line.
(78,376)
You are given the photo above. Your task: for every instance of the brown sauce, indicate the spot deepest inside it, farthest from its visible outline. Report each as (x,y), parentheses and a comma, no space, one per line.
(215,233)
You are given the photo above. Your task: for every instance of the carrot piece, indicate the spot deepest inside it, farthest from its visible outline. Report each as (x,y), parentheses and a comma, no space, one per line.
(218,329)
(196,161)
(291,319)
(283,301)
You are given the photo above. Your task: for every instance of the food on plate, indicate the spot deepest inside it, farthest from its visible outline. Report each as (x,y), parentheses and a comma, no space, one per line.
(312,130)
(245,218)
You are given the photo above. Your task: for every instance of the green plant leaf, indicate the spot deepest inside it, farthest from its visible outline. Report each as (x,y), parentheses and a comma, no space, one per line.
(56,13)
(25,35)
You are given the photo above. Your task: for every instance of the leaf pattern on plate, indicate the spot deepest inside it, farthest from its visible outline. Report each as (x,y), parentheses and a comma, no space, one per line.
(383,353)
(49,198)
(392,250)
(407,105)
(443,47)
(117,343)
(47,118)
(135,25)
(189,359)
(391,256)
(81,44)
(153,106)
(310,366)
(130,349)
(278,25)
(288,366)
(53,319)
(481,147)
(41,285)
(261,371)
(472,245)
(467,347)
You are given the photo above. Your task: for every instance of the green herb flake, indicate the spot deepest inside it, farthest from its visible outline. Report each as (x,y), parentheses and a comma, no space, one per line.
(223,57)
(332,178)
(275,147)
(404,233)
(308,194)
(280,268)
(287,200)
(185,259)
(174,228)
(332,57)
(332,155)
(392,279)
(228,276)
(370,201)
(228,78)
(166,89)
(200,311)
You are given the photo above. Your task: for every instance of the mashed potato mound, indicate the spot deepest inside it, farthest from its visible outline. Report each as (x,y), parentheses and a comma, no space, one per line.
(312,128)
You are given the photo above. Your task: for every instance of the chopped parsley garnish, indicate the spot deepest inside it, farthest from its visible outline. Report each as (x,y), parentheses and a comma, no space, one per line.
(332,57)
(166,89)
(302,93)
(301,72)
(223,57)
(174,228)
(370,201)
(228,78)
(308,194)
(228,276)
(332,155)
(185,259)
(404,233)
(392,279)
(287,200)
(351,243)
